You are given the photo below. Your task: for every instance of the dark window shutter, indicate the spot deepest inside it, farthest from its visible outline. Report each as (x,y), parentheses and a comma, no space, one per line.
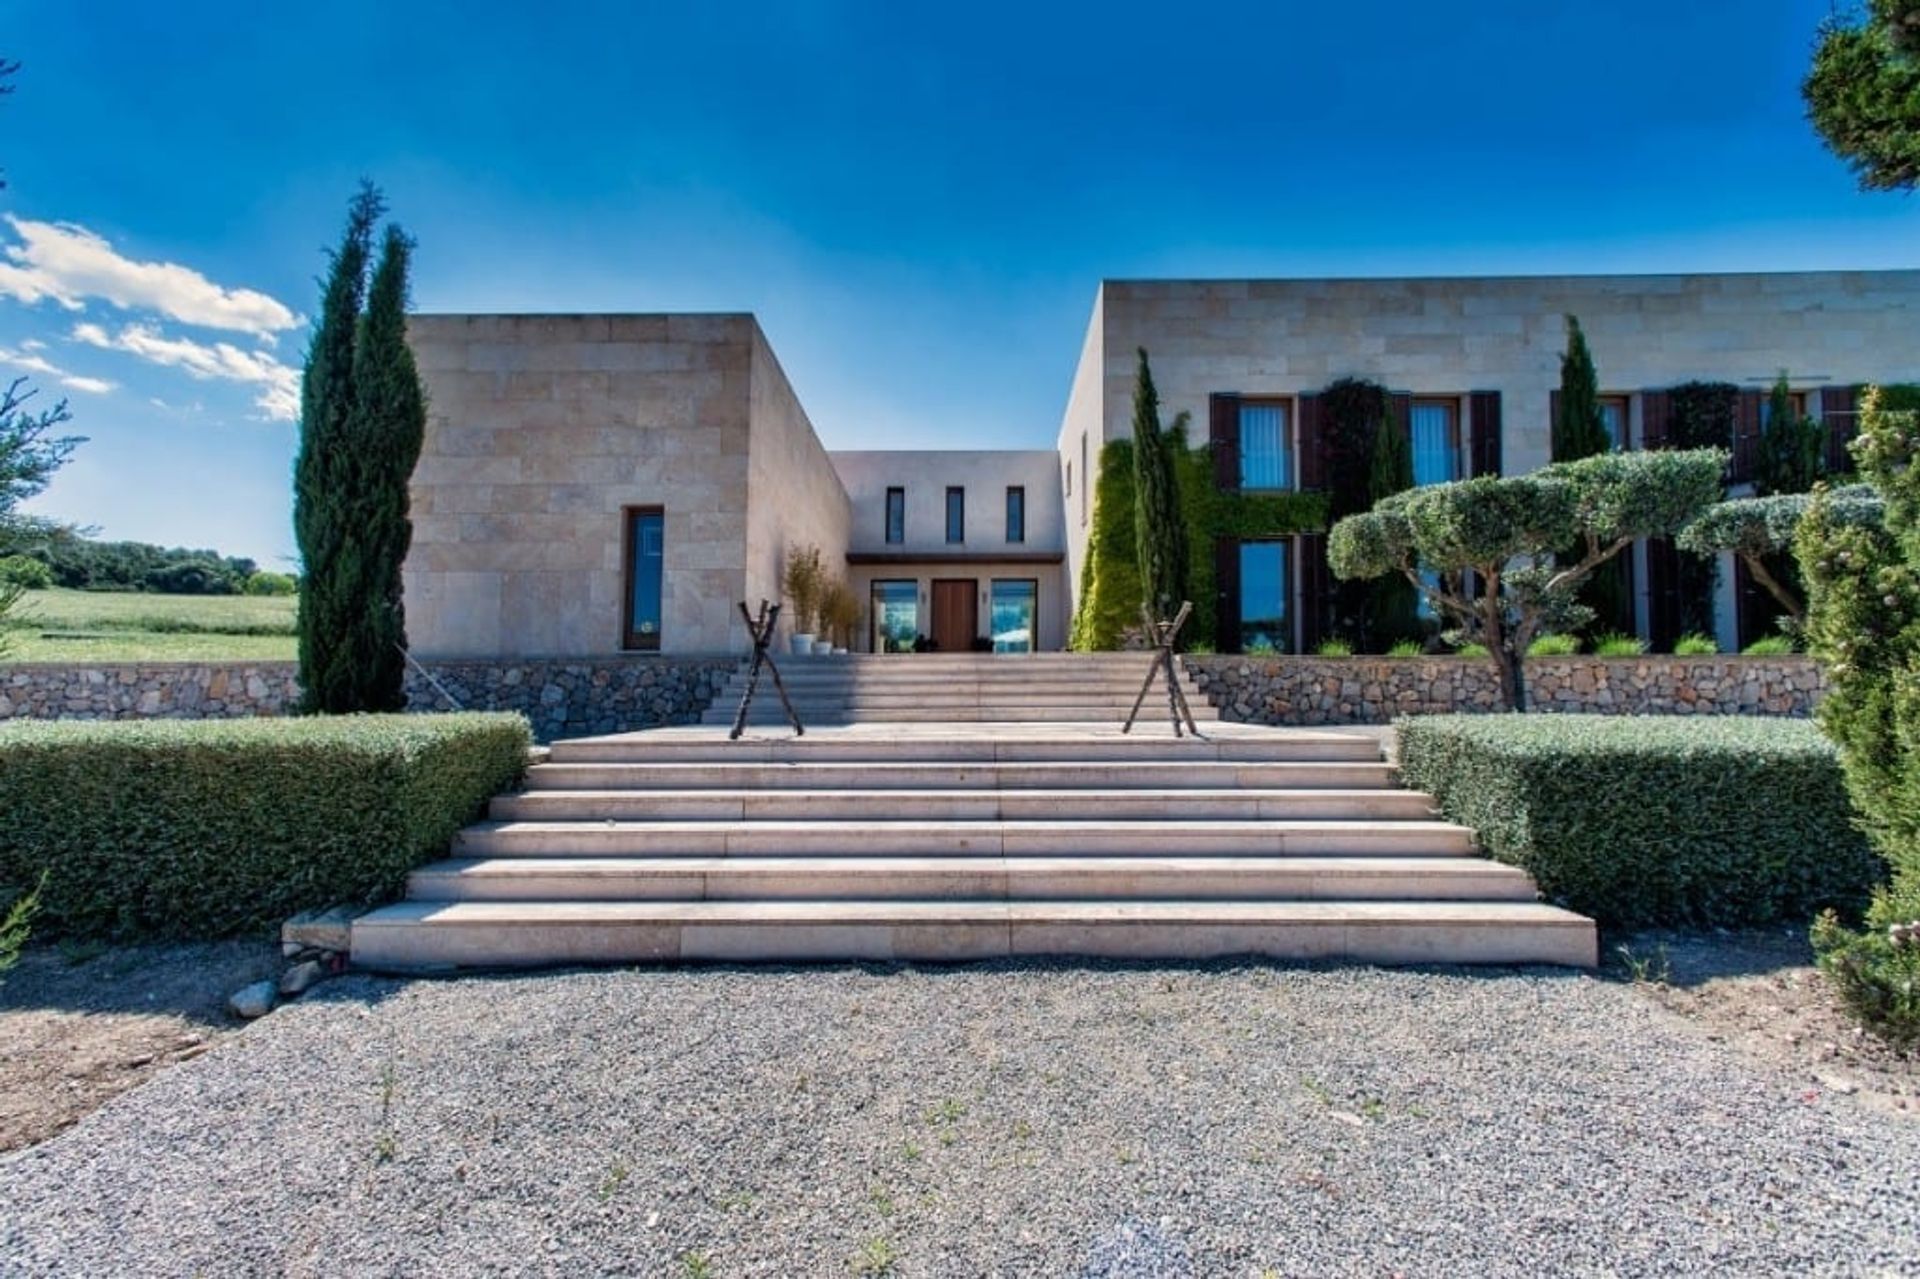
(1226,595)
(1313,449)
(1663,593)
(1656,415)
(1484,415)
(1316,594)
(1838,406)
(1400,404)
(1223,433)
(1746,437)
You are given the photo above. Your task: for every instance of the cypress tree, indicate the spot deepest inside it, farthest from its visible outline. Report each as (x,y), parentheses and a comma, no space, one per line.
(1159,530)
(1393,607)
(388,427)
(1577,429)
(362,420)
(1790,458)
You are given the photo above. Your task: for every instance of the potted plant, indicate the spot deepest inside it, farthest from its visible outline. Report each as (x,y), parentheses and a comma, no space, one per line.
(839,615)
(802,581)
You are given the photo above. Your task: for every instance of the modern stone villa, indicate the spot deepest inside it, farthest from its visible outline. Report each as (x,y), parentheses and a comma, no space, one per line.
(599,484)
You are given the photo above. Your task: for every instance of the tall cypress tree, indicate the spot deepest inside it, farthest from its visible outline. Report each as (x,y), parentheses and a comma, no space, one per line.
(362,420)
(1577,429)
(388,426)
(1791,446)
(1159,529)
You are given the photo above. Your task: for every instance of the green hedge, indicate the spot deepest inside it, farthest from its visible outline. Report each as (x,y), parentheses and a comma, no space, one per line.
(159,829)
(1637,821)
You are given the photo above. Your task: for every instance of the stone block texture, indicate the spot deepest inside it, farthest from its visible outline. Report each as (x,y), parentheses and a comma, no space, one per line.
(542,429)
(1365,690)
(1448,337)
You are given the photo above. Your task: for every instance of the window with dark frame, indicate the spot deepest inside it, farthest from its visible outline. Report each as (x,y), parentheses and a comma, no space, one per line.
(1613,416)
(645,541)
(956,514)
(1266,444)
(896,516)
(1016,513)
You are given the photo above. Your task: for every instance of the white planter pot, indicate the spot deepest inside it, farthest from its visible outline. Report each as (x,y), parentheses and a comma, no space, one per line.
(838,651)
(802,643)
(822,647)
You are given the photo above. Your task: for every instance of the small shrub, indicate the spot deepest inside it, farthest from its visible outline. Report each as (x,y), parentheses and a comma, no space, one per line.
(1652,821)
(1771,646)
(1406,648)
(1554,646)
(265,583)
(1694,644)
(804,581)
(205,828)
(17,925)
(1200,648)
(1262,648)
(1473,650)
(1335,647)
(26,573)
(1876,973)
(1614,644)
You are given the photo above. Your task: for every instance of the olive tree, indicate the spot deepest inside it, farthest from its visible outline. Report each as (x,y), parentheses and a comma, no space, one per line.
(1490,555)
(1759,528)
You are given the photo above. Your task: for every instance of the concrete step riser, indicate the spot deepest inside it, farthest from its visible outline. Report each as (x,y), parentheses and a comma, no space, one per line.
(986,805)
(781,748)
(816,879)
(963,839)
(819,718)
(936,777)
(1335,931)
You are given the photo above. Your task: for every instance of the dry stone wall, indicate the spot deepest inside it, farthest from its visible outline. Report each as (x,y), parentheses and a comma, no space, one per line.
(561,698)
(1363,690)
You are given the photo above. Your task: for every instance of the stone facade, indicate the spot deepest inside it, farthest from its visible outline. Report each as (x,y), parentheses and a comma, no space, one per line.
(560,698)
(1445,338)
(543,430)
(1369,690)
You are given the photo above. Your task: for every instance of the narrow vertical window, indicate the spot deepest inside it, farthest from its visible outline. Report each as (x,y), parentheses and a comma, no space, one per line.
(1266,620)
(646,575)
(896,516)
(1613,417)
(1266,446)
(1086,481)
(1016,513)
(956,515)
(1435,427)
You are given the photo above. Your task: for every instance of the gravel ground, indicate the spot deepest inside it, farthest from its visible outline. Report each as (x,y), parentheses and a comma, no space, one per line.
(1055,1120)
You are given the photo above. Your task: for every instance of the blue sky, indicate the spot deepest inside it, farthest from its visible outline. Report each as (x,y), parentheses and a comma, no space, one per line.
(917,201)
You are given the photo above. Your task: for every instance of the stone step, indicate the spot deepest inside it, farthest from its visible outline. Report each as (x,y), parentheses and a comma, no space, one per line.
(1017,878)
(961,838)
(967,744)
(770,715)
(418,935)
(1119,775)
(833,804)
(950,695)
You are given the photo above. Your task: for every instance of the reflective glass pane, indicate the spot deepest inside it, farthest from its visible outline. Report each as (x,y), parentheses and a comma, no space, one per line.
(1263,597)
(896,616)
(1012,617)
(1264,441)
(649,561)
(1436,459)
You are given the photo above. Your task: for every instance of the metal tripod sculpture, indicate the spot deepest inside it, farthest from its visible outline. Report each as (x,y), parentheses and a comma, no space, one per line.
(1161,635)
(762,632)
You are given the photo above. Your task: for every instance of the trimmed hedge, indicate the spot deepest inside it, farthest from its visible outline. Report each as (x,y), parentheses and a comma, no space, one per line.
(1711,820)
(157,829)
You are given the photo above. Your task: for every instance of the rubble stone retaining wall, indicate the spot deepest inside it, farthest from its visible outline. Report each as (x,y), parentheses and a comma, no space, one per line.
(562,698)
(1370,690)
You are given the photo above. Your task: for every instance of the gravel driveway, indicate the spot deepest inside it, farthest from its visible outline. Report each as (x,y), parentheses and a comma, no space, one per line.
(1052,1120)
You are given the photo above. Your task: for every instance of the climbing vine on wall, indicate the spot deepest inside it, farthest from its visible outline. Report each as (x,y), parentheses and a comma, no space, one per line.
(1110,590)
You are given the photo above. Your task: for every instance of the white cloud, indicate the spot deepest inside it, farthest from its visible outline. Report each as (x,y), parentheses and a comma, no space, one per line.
(68,264)
(26,356)
(279,396)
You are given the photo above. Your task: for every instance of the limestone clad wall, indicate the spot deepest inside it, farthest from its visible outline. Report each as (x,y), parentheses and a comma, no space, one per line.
(794,495)
(1446,337)
(926,474)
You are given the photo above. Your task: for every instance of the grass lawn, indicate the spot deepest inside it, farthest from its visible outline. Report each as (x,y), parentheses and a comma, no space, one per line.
(105,626)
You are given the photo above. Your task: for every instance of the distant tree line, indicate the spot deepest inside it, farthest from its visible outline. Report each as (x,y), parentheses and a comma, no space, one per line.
(83,564)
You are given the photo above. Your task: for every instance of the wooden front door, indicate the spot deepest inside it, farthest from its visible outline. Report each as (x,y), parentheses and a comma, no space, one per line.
(956,613)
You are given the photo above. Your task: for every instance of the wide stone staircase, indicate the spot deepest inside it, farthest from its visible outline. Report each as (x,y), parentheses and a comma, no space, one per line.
(966,808)
(956,688)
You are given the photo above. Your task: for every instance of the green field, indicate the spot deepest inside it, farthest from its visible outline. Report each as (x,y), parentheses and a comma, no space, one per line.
(106,626)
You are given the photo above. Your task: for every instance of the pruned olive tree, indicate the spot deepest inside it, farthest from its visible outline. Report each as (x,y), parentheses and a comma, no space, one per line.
(1758,528)
(1486,553)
